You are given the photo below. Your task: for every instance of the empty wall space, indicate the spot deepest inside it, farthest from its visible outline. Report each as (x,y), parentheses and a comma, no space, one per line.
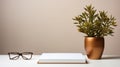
(47,25)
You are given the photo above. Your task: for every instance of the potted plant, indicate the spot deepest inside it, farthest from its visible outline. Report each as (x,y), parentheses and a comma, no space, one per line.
(95,25)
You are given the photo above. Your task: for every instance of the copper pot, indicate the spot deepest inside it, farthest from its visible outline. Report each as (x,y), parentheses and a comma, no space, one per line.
(94,47)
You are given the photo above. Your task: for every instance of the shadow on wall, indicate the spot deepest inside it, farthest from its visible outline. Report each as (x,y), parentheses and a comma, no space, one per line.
(2,41)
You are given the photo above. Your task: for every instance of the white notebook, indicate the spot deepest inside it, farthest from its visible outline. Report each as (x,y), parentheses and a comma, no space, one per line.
(62,58)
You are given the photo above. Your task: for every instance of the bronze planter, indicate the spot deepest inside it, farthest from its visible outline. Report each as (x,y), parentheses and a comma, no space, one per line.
(94,47)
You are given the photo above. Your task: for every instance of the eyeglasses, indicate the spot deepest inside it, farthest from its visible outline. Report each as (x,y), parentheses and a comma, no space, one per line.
(16,55)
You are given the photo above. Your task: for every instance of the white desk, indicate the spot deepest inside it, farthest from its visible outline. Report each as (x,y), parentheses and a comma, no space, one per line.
(107,61)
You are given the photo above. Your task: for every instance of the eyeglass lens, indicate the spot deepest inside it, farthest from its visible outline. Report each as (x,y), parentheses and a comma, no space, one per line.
(27,55)
(13,55)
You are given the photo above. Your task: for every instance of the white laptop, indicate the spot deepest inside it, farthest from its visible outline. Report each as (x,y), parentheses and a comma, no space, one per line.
(62,58)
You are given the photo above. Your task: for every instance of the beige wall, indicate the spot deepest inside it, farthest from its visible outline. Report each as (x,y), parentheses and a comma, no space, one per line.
(47,25)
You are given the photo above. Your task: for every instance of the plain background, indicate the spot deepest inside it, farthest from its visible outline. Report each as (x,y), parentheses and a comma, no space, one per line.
(47,25)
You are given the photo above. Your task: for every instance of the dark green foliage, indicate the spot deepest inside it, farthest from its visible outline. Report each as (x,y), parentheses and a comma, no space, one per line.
(95,24)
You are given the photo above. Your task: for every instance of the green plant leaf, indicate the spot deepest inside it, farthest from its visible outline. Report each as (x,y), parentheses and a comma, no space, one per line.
(95,24)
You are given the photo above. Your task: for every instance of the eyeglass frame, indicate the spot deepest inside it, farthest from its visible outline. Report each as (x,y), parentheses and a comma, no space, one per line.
(20,54)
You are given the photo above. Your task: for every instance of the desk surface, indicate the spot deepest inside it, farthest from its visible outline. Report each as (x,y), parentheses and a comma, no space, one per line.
(106,61)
